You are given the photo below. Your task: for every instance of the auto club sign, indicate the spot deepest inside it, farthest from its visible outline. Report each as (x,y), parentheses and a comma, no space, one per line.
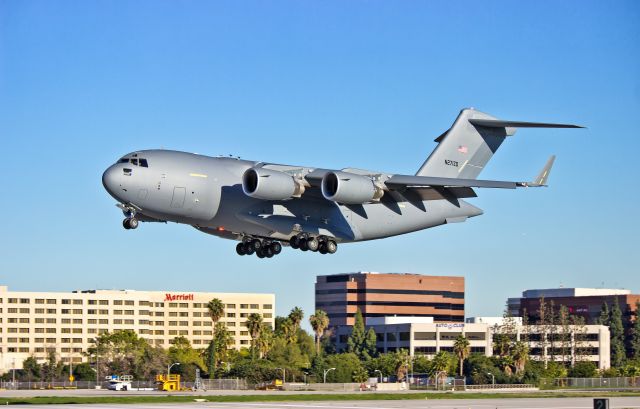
(449,325)
(178,297)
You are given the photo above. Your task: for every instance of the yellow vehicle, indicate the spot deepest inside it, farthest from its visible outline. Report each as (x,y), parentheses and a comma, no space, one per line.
(168,382)
(270,386)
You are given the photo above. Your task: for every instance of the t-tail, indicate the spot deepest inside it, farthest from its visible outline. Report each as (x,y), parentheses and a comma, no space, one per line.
(464,149)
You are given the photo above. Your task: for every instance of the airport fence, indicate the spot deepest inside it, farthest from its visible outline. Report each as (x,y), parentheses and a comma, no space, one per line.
(618,382)
(208,384)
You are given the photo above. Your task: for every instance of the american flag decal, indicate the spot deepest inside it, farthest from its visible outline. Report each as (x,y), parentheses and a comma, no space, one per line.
(462,149)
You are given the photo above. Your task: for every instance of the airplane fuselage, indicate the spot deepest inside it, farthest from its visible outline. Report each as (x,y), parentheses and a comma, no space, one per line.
(206,192)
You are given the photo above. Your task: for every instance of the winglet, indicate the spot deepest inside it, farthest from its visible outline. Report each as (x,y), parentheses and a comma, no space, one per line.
(541,179)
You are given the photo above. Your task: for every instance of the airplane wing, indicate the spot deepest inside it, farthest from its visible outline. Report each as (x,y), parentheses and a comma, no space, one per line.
(397,182)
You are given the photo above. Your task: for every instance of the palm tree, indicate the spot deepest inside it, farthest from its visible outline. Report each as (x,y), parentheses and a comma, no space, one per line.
(319,322)
(289,331)
(265,340)
(296,315)
(461,349)
(254,325)
(216,311)
(520,356)
(440,363)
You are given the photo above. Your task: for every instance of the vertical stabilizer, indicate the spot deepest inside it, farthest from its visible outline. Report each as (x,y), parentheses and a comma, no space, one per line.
(464,150)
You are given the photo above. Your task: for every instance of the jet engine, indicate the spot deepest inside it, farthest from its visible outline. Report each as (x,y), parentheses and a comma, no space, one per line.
(349,188)
(267,184)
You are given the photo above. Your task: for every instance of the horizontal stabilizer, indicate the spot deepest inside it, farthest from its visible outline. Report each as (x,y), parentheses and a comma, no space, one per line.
(497,123)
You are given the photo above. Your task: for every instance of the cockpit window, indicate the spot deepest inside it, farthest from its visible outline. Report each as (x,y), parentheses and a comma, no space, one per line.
(135,162)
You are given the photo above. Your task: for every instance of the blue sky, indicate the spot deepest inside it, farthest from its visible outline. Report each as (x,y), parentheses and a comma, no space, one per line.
(366,84)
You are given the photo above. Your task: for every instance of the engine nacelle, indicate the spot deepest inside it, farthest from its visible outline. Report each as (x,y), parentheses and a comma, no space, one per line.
(349,188)
(267,184)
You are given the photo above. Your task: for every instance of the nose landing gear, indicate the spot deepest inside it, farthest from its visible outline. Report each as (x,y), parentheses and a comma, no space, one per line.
(130,223)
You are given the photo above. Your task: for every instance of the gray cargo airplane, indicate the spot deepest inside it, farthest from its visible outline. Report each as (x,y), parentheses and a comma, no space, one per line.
(265,205)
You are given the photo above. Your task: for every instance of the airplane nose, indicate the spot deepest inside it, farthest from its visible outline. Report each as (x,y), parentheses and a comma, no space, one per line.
(110,180)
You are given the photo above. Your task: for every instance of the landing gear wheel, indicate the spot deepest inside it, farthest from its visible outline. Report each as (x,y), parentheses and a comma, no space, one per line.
(332,247)
(294,242)
(276,247)
(303,245)
(248,249)
(240,249)
(256,244)
(125,224)
(312,244)
(268,253)
(133,223)
(323,248)
(259,253)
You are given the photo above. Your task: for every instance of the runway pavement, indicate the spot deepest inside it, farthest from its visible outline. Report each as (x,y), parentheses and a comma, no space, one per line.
(523,403)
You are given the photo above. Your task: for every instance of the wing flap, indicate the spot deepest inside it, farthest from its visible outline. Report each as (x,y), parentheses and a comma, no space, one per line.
(406,181)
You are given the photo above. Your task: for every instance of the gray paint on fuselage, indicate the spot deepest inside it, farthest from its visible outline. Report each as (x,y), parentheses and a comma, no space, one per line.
(214,200)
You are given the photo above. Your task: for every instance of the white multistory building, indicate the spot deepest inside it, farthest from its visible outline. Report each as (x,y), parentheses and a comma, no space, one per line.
(66,323)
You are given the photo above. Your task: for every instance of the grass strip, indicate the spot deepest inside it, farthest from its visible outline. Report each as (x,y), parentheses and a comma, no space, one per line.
(53,400)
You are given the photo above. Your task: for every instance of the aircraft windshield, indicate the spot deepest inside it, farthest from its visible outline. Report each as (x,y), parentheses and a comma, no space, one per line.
(135,161)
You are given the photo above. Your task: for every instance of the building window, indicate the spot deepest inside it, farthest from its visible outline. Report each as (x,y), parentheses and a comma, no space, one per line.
(13,300)
(232,306)
(449,336)
(267,315)
(51,301)
(129,302)
(92,321)
(255,306)
(173,305)
(65,311)
(244,306)
(424,336)
(24,301)
(197,305)
(51,320)
(77,321)
(77,302)
(103,321)
(477,350)
(104,302)
(197,314)
(184,314)
(39,300)
(267,306)
(117,322)
(39,310)
(118,302)
(391,337)
(65,301)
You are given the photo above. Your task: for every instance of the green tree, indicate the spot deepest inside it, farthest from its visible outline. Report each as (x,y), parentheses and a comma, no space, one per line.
(385,363)
(265,341)
(605,315)
(461,349)
(254,325)
(440,365)
(520,356)
(584,369)
(346,364)
(32,369)
(189,359)
(635,337)
(296,316)
(289,331)
(618,353)
(355,342)
(370,344)
(319,322)
(216,312)
(84,372)
(402,363)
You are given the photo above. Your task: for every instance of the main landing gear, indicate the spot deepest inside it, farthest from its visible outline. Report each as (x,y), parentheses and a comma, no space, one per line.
(269,248)
(321,244)
(262,248)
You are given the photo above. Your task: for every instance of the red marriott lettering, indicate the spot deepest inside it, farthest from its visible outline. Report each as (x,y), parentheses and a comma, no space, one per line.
(178,297)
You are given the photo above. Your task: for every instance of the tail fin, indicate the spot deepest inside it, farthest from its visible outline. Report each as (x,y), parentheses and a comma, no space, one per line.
(464,149)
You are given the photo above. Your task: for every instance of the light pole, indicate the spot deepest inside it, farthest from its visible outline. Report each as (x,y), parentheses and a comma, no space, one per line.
(493,378)
(169,368)
(14,374)
(380,372)
(324,375)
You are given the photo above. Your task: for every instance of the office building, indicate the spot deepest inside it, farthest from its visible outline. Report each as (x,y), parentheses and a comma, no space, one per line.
(570,344)
(381,295)
(584,302)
